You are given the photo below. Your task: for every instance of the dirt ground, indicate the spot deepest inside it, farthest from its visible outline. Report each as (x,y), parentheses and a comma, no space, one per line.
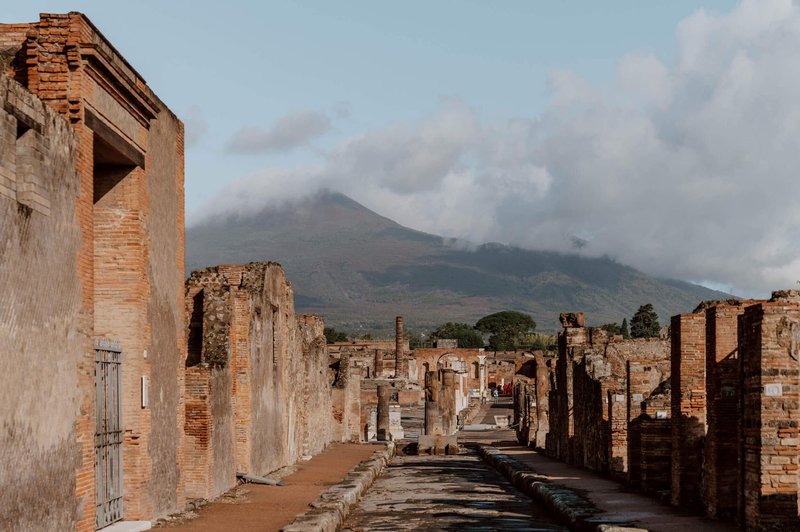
(252,507)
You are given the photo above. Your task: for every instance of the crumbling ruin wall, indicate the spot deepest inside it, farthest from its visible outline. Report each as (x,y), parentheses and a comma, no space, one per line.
(652,431)
(346,401)
(44,331)
(599,380)
(531,394)
(316,404)
(258,371)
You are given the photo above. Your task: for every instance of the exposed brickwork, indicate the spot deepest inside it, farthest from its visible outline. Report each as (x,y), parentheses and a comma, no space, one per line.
(688,406)
(722,412)
(769,348)
(259,393)
(45,334)
(128,158)
(646,378)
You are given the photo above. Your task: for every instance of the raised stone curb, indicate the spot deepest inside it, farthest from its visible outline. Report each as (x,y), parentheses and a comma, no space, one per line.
(328,512)
(573,509)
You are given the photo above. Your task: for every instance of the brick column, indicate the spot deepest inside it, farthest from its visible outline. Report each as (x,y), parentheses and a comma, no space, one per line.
(688,407)
(769,346)
(722,399)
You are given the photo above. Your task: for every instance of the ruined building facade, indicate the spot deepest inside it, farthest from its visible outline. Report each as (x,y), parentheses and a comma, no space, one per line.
(707,419)
(126,389)
(91,277)
(258,382)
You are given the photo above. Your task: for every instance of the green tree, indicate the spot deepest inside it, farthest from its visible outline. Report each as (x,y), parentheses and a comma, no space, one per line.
(332,335)
(507,329)
(612,328)
(466,335)
(415,340)
(624,332)
(644,324)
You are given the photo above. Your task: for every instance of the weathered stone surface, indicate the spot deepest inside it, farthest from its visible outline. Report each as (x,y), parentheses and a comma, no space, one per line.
(334,504)
(264,393)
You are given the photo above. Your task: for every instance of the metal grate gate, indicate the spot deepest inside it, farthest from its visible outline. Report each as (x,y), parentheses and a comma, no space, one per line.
(108,431)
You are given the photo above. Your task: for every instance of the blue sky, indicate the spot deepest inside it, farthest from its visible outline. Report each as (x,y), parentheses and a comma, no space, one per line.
(642,130)
(249,63)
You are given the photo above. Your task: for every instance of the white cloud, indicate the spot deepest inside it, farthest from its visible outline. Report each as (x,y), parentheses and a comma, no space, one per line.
(686,170)
(291,131)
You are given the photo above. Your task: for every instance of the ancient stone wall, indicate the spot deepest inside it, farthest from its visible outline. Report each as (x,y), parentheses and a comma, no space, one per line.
(127,207)
(44,331)
(258,375)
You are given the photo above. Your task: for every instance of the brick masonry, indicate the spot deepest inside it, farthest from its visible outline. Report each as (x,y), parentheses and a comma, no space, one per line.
(707,418)
(688,406)
(259,392)
(118,193)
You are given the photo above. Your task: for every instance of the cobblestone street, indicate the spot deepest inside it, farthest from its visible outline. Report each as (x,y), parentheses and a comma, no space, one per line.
(449,493)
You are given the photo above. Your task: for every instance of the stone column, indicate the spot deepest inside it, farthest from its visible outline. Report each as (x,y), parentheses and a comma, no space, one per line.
(378,364)
(383,412)
(482,372)
(433,417)
(447,402)
(542,392)
(398,348)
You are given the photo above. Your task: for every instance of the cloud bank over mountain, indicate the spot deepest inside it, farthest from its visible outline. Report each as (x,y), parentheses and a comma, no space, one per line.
(686,170)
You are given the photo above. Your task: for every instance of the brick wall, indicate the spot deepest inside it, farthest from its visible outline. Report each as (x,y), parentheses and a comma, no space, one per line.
(129,156)
(647,380)
(45,331)
(688,407)
(280,396)
(722,411)
(769,348)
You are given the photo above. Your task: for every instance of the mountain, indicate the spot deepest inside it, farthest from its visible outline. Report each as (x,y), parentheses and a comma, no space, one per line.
(359,270)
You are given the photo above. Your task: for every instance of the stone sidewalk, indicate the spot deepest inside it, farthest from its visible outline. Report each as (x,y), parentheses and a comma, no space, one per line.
(616,503)
(252,507)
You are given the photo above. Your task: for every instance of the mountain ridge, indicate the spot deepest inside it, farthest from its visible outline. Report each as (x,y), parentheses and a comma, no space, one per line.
(359,269)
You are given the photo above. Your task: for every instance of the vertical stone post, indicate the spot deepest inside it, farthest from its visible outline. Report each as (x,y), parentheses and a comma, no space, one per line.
(688,385)
(769,348)
(571,342)
(447,402)
(378,364)
(433,417)
(482,373)
(722,410)
(542,393)
(399,370)
(383,412)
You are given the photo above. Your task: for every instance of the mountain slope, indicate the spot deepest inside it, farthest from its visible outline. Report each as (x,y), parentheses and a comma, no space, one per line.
(359,269)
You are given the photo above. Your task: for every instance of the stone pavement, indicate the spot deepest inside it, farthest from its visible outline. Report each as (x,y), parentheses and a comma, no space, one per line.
(445,493)
(607,495)
(251,507)
(448,492)
(611,497)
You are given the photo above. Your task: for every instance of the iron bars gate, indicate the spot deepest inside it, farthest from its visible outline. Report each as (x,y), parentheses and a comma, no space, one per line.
(108,431)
